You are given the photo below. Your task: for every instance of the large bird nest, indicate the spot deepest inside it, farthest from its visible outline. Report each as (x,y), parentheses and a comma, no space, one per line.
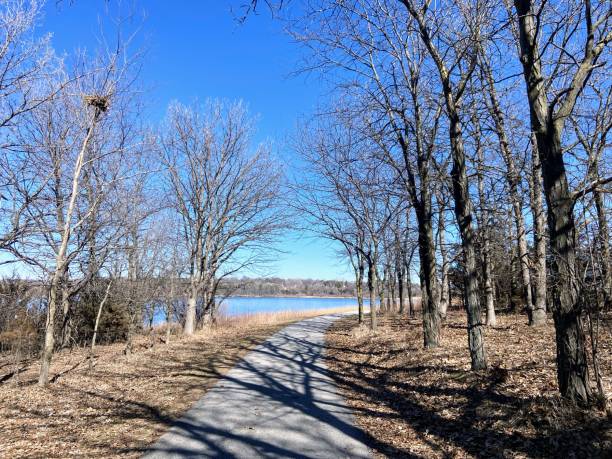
(97,101)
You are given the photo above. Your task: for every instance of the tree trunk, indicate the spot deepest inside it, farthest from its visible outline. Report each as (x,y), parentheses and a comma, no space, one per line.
(400,288)
(572,370)
(488,287)
(66,332)
(190,313)
(429,305)
(409,285)
(390,292)
(484,223)
(49,343)
(359,287)
(444,290)
(381,292)
(464,215)
(97,324)
(168,327)
(604,243)
(538,316)
(372,285)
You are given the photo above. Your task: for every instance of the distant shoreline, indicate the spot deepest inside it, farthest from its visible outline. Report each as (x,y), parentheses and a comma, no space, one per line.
(293,296)
(323,297)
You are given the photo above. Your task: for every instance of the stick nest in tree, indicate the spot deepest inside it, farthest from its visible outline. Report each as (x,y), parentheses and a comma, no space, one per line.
(97,101)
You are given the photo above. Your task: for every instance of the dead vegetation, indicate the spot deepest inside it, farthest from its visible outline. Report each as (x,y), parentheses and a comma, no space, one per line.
(417,403)
(125,402)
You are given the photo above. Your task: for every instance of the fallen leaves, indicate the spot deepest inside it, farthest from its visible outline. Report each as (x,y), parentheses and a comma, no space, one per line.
(125,403)
(412,402)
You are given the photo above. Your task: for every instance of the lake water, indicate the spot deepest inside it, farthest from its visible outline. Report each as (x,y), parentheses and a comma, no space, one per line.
(239,305)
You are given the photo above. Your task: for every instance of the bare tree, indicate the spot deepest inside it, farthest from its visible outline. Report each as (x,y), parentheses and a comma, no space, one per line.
(539,230)
(26,62)
(455,64)
(349,199)
(385,64)
(537,315)
(557,64)
(227,196)
(484,223)
(592,122)
(69,136)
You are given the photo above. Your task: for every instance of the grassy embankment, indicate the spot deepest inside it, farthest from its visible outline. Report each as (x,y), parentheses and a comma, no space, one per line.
(126,402)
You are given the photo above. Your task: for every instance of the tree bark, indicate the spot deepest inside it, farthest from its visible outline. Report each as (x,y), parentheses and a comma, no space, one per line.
(190,313)
(359,288)
(572,369)
(97,324)
(390,291)
(538,317)
(49,343)
(484,224)
(429,305)
(604,243)
(409,284)
(400,288)
(66,331)
(444,290)
(488,282)
(372,285)
(464,216)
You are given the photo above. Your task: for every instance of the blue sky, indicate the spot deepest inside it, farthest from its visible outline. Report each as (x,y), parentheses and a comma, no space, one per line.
(197,49)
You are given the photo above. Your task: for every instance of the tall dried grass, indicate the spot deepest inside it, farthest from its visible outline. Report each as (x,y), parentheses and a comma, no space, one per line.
(246,321)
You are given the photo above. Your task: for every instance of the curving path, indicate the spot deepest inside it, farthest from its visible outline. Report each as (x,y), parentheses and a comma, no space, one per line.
(279,401)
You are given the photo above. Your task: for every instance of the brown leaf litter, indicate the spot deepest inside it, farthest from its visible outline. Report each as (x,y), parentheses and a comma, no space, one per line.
(412,402)
(125,403)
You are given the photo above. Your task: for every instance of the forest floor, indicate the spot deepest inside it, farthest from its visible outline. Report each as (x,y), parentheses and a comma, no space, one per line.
(126,402)
(417,403)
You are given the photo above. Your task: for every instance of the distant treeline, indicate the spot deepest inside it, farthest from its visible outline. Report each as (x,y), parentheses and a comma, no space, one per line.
(274,286)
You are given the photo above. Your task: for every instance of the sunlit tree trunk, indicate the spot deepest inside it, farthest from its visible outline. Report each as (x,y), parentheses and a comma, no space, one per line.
(444,290)
(60,260)
(372,286)
(512,178)
(359,286)
(538,316)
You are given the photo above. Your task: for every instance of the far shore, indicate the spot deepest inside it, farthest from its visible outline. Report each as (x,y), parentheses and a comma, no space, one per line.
(305,296)
(293,296)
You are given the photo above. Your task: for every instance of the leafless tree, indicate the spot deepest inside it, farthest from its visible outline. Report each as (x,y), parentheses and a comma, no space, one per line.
(450,44)
(76,141)
(385,64)
(26,62)
(537,314)
(349,197)
(560,49)
(226,194)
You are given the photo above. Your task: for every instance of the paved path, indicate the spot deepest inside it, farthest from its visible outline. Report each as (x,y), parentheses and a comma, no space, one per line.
(278,402)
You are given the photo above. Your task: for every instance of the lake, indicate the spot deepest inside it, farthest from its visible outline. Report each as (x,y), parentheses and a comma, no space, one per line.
(238,305)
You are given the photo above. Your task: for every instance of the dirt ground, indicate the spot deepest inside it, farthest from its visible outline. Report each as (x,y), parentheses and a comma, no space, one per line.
(415,403)
(125,403)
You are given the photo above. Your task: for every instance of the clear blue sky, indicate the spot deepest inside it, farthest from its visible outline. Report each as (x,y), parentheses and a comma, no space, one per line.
(197,49)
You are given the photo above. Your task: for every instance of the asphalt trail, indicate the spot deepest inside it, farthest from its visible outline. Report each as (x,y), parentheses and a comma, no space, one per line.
(279,401)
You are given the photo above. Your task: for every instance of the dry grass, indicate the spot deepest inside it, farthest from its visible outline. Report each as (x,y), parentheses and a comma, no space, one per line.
(416,403)
(270,318)
(126,402)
